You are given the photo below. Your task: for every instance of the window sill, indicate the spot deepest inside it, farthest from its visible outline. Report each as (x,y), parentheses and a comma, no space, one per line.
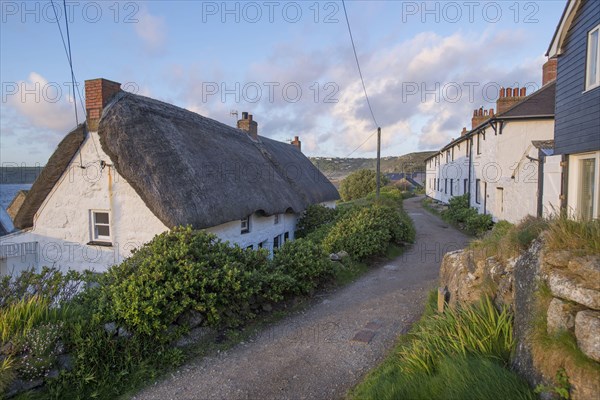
(591,88)
(244,232)
(97,243)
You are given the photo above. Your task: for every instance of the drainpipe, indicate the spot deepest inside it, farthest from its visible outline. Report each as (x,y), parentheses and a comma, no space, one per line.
(470,164)
(540,196)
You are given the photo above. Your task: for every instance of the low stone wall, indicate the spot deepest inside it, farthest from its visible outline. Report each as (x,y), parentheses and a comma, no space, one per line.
(570,302)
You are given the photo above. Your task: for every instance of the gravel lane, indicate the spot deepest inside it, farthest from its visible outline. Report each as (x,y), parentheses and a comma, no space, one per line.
(322,352)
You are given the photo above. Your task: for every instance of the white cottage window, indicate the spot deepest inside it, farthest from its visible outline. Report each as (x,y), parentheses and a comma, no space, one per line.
(592,71)
(100,226)
(245,225)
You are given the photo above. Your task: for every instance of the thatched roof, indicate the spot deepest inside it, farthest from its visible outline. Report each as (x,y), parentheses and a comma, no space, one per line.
(58,162)
(190,169)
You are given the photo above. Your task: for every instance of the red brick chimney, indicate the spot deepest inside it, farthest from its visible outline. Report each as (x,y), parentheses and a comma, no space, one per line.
(296,142)
(98,93)
(480,116)
(248,125)
(509,97)
(549,71)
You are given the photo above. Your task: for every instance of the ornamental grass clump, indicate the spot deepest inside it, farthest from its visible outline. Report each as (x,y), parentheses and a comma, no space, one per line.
(477,330)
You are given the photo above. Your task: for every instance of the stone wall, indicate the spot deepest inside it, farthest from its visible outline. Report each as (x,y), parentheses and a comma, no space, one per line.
(558,290)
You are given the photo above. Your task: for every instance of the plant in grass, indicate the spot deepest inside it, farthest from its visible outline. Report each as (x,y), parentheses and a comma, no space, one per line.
(575,235)
(478,330)
(313,218)
(7,373)
(562,387)
(41,346)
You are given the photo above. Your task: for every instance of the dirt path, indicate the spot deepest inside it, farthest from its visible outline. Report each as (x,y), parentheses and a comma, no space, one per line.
(324,351)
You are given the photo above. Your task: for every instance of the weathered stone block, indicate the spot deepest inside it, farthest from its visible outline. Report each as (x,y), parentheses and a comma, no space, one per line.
(560,316)
(558,259)
(570,288)
(587,332)
(587,268)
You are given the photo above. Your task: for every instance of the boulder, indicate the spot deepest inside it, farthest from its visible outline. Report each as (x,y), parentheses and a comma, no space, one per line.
(574,289)
(560,316)
(110,327)
(559,259)
(587,332)
(587,268)
(194,336)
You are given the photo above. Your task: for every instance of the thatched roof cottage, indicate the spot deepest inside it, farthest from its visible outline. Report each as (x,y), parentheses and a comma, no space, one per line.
(139,166)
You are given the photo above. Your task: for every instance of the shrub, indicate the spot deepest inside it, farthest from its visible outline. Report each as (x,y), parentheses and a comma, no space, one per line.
(313,218)
(478,224)
(468,218)
(364,232)
(360,183)
(305,263)
(179,271)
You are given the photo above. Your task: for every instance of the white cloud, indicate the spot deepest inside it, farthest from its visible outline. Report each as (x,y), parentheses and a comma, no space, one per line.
(152,31)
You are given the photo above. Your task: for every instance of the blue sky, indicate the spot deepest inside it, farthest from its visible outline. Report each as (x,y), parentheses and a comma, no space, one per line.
(426,66)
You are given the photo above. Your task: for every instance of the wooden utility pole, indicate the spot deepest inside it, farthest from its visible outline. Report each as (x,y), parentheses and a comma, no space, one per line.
(378,162)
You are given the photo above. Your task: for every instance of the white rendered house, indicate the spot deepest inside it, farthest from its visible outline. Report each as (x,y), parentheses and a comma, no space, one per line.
(139,167)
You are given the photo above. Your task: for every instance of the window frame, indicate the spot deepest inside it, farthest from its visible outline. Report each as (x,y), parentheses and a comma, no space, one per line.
(95,237)
(588,60)
(245,225)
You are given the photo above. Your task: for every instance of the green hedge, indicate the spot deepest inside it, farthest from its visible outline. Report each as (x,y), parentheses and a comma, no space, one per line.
(466,217)
(364,232)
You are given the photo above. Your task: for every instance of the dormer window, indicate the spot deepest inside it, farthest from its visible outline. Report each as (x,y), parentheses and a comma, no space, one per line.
(245,225)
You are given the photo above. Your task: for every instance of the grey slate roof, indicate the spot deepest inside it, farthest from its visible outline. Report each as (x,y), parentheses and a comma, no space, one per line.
(538,104)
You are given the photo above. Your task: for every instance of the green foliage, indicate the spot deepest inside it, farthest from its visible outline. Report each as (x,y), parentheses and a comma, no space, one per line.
(50,283)
(305,263)
(17,319)
(313,218)
(459,213)
(360,183)
(7,373)
(579,236)
(457,377)
(364,232)
(478,330)
(41,347)
(184,270)
(562,387)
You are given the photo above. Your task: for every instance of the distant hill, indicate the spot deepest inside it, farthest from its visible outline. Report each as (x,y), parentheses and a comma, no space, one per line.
(337,169)
(19,175)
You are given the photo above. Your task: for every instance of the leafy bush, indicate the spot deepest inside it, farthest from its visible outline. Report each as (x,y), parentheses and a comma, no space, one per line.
(364,232)
(305,263)
(313,218)
(360,183)
(184,270)
(468,218)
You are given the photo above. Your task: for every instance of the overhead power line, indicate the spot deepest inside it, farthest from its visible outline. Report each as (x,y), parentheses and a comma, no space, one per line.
(358,65)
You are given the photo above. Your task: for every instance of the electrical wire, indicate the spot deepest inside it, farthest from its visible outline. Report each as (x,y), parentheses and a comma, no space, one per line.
(358,65)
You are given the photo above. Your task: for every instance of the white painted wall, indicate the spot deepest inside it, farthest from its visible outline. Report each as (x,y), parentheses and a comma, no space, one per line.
(503,163)
(451,168)
(62,228)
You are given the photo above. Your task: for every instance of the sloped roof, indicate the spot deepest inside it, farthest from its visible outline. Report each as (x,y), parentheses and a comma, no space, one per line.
(189,169)
(562,28)
(57,164)
(538,104)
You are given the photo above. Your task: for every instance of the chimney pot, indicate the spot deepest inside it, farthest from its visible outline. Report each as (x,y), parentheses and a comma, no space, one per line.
(248,125)
(98,93)
(509,92)
(297,143)
(523,92)
(502,92)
